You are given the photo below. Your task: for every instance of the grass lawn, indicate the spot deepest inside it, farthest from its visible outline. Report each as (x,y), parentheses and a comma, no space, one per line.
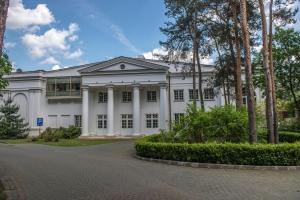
(2,195)
(63,142)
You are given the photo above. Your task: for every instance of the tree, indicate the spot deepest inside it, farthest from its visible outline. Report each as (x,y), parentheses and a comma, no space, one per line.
(3,15)
(5,68)
(11,123)
(268,77)
(248,69)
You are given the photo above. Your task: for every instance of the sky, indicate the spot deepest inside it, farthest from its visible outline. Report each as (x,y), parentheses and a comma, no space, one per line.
(48,34)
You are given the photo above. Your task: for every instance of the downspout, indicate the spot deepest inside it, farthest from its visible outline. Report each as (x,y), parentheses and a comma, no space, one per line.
(169,99)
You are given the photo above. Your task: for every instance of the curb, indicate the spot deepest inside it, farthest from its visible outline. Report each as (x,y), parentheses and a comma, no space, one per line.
(219,166)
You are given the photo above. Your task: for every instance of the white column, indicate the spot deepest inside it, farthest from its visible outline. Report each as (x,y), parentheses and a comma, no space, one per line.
(163,106)
(136,110)
(85,111)
(110,110)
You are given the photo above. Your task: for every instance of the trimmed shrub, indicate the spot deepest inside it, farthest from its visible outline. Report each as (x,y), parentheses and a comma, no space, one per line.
(288,136)
(53,135)
(227,153)
(50,135)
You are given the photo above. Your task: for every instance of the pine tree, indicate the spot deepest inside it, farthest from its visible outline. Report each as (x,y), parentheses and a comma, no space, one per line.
(12,125)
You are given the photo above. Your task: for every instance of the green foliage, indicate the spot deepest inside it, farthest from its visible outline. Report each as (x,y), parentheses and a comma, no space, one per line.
(290,137)
(11,123)
(53,135)
(5,68)
(222,124)
(227,153)
(290,124)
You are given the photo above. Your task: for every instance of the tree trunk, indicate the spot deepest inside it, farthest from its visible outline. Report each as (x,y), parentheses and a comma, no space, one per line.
(224,91)
(248,69)
(194,76)
(268,79)
(237,70)
(3,15)
(200,78)
(275,115)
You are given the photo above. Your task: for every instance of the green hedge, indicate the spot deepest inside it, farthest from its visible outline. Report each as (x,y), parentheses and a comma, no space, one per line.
(228,153)
(288,136)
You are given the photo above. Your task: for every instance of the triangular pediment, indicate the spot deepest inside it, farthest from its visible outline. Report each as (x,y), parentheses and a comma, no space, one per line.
(123,64)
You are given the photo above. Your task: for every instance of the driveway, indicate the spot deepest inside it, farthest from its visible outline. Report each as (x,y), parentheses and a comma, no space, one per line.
(109,171)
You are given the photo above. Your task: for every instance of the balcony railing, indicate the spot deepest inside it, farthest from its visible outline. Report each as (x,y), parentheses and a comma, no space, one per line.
(64,94)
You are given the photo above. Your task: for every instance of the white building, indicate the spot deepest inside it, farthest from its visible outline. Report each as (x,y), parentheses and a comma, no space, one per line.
(121,96)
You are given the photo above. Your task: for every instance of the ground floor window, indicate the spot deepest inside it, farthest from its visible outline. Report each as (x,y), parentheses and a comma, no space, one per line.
(102,121)
(209,94)
(78,120)
(151,120)
(178,117)
(126,121)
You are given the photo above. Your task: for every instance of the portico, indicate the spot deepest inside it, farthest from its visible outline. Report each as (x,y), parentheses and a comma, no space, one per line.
(126,101)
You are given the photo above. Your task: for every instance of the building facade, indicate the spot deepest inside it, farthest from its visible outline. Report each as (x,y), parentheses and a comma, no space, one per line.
(122,96)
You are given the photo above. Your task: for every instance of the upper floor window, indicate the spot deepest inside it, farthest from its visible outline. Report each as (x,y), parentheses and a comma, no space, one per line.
(102,121)
(191,94)
(102,97)
(209,93)
(151,96)
(78,120)
(178,95)
(151,120)
(127,96)
(126,120)
(63,86)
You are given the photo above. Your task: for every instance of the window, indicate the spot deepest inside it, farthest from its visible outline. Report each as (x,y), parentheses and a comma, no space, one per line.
(127,97)
(126,121)
(151,120)
(178,117)
(209,93)
(178,95)
(191,95)
(78,120)
(151,96)
(102,122)
(102,97)
(63,86)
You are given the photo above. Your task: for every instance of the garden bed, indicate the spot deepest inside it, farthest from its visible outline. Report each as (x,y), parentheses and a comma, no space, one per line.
(227,153)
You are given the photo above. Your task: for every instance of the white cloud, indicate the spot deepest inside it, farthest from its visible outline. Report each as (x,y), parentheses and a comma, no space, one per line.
(50,60)
(21,18)
(73,38)
(33,29)
(56,67)
(51,42)
(73,55)
(154,54)
(9,45)
(118,33)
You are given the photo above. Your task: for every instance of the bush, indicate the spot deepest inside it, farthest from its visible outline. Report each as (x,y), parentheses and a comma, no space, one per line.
(227,153)
(290,137)
(290,124)
(53,135)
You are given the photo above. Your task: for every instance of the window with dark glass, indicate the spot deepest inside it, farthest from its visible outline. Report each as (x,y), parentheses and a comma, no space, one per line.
(126,121)
(151,96)
(178,95)
(102,121)
(151,120)
(192,93)
(102,97)
(178,117)
(126,97)
(78,120)
(63,86)
(209,94)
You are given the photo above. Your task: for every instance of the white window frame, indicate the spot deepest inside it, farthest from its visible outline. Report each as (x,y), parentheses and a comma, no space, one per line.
(102,121)
(151,120)
(209,94)
(78,121)
(179,95)
(102,97)
(178,117)
(191,94)
(126,96)
(126,121)
(151,96)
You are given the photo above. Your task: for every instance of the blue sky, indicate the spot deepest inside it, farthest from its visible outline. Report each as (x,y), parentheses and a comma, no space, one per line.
(48,34)
(41,34)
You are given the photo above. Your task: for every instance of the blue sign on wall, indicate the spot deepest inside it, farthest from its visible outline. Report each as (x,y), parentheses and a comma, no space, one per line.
(39,121)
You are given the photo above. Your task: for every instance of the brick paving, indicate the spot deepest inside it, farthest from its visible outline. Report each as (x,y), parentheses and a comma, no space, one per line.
(110,171)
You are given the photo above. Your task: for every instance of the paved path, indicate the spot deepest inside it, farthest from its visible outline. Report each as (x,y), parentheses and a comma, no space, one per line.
(109,171)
